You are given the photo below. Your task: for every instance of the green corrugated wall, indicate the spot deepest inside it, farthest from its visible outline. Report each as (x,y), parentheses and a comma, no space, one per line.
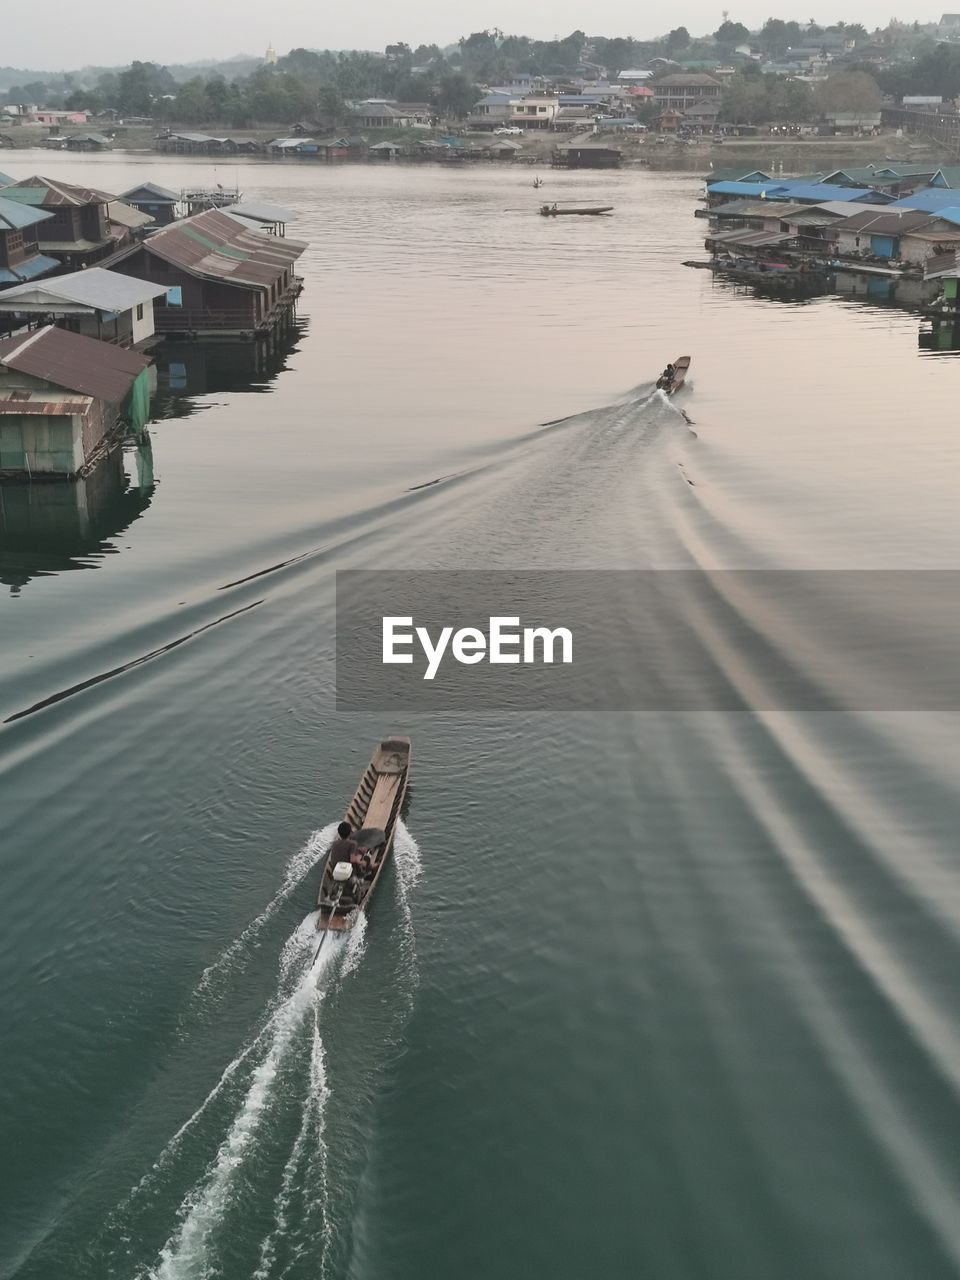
(32,444)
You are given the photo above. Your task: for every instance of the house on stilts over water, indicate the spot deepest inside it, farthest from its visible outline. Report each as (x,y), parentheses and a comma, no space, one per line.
(65,402)
(222,277)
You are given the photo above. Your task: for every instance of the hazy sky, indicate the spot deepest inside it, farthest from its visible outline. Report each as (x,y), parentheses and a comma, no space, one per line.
(59,34)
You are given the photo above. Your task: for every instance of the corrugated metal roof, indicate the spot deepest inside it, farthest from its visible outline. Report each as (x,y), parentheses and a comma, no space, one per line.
(753,176)
(258,212)
(790,190)
(73,362)
(45,408)
(942,266)
(125,215)
(95,288)
(936,235)
(36,266)
(217,247)
(880,222)
(754,239)
(42,191)
(5,180)
(149,192)
(197,137)
(756,209)
(844,209)
(930,199)
(14,216)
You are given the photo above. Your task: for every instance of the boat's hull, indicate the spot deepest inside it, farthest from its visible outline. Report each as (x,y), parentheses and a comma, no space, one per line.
(680,366)
(575,213)
(377,803)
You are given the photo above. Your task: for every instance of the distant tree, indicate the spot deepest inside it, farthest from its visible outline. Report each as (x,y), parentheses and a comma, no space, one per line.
(677,40)
(729,34)
(777,36)
(745,100)
(615,55)
(456,94)
(791,101)
(331,107)
(191,105)
(478,53)
(647,113)
(142,85)
(218,97)
(848,91)
(303,62)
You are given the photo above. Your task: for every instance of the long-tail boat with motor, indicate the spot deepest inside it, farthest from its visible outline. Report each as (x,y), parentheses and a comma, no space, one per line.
(676,379)
(557,210)
(347,887)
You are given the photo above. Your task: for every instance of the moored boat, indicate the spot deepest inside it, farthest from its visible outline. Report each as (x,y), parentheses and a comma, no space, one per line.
(675,382)
(373,814)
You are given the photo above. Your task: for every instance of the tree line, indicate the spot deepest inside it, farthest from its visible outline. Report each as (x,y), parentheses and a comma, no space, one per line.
(308,84)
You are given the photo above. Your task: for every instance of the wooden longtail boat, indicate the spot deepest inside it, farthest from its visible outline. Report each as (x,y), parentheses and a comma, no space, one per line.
(558,210)
(373,814)
(680,367)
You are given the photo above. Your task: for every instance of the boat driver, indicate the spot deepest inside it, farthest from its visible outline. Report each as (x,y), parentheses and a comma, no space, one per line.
(343,848)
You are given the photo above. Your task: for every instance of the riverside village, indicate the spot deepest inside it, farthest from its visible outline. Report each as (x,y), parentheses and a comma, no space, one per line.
(93,283)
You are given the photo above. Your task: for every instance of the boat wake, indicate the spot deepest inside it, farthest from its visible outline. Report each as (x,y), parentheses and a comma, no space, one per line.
(232,959)
(189,1250)
(260,1137)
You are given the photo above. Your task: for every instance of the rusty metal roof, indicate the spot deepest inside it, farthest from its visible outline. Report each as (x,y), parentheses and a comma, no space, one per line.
(46,194)
(76,363)
(45,408)
(216,247)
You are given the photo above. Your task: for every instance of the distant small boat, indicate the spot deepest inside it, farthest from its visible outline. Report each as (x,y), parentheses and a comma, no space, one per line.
(557,210)
(537,183)
(680,367)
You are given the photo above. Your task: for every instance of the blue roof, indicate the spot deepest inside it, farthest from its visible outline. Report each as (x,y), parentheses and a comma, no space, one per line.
(929,200)
(6,180)
(38,265)
(15,216)
(803,191)
(744,189)
(950,215)
(817,191)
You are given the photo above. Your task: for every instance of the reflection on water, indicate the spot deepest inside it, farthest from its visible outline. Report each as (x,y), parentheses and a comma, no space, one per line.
(185,369)
(907,292)
(940,336)
(51,527)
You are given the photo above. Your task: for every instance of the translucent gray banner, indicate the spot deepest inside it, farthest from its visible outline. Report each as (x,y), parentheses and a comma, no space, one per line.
(644,640)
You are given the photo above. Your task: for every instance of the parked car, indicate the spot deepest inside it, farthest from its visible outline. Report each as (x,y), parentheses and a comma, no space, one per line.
(509,128)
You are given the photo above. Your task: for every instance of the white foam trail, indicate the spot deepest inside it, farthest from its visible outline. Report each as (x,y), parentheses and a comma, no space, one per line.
(299,865)
(406,853)
(312,1125)
(186,1255)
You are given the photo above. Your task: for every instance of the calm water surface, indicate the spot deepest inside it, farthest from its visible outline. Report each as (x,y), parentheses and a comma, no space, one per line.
(645,995)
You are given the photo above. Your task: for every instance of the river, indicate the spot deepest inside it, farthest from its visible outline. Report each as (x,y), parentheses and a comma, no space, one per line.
(646,994)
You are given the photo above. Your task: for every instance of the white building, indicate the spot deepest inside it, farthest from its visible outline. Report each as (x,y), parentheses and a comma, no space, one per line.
(94,302)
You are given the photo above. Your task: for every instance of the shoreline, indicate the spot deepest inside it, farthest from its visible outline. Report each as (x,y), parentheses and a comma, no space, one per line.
(650,152)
